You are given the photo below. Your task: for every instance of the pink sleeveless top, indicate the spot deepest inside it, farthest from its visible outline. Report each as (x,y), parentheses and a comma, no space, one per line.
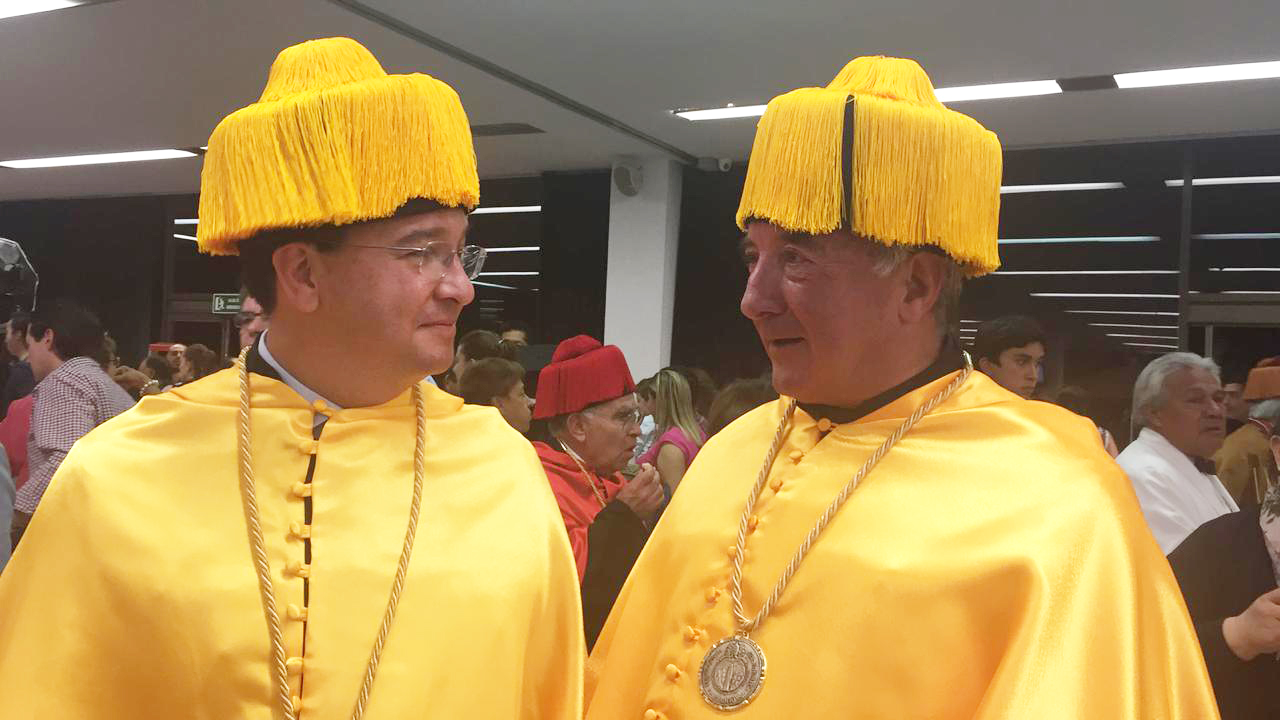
(673,436)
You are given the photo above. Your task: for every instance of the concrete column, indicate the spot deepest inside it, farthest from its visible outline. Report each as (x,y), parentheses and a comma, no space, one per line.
(640,284)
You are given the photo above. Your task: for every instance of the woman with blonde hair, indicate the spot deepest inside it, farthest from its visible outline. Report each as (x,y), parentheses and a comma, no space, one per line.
(679,434)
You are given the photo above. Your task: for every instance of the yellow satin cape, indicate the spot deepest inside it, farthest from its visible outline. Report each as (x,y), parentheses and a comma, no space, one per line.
(133,595)
(995,565)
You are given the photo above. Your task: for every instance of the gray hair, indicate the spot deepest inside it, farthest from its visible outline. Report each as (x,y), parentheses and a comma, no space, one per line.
(1149,394)
(887,258)
(1268,410)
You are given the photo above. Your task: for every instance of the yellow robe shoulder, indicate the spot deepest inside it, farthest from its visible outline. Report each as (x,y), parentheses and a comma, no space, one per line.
(134,596)
(994,565)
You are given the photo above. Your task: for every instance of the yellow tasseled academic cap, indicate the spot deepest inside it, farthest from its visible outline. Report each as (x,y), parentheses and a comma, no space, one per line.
(333,140)
(876,152)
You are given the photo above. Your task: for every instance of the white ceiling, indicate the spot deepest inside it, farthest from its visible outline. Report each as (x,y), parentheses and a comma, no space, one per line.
(140,74)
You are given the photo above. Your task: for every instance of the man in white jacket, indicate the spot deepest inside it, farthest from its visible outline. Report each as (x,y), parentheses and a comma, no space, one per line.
(1179,404)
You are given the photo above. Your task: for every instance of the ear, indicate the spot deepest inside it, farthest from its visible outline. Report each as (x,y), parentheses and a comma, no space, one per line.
(923,274)
(986,365)
(576,427)
(297,281)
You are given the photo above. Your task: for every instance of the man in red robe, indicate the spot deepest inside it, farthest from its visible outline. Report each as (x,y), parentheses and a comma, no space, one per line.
(587,397)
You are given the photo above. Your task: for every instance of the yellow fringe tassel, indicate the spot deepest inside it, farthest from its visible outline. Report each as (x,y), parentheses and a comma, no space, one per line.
(334,140)
(922,174)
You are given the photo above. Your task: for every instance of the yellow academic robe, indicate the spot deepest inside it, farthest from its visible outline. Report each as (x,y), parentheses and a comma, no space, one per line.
(994,565)
(133,594)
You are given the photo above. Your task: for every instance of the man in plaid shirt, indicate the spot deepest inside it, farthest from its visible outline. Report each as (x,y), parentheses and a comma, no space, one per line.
(73,395)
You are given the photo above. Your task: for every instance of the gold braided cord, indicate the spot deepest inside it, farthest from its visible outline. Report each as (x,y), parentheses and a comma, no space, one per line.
(419,471)
(746,625)
(600,498)
(249,498)
(280,671)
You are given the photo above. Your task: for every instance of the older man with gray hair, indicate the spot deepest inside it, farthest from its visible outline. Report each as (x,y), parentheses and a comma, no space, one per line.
(1178,403)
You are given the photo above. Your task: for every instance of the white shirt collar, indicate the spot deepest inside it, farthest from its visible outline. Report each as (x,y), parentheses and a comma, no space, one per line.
(311,396)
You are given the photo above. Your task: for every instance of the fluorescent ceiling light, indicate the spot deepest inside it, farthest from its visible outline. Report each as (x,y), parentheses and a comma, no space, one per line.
(1237,236)
(1142,337)
(1060,187)
(528,248)
(1239,269)
(1085,272)
(1240,180)
(971,322)
(1152,345)
(997,90)
(1251,292)
(1103,239)
(186,221)
(1119,312)
(192,238)
(727,112)
(508,274)
(14,8)
(1126,325)
(1196,75)
(98,159)
(1104,295)
(492,285)
(507,210)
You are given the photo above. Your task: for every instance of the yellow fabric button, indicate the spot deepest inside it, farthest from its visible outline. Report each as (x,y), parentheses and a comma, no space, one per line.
(321,407)
(309,447)
(825,425)
(297,703)
(296,613)
(297,569)
(673,673)
(733,552)
(300,531)
(752,523)
(713,595)
(796,456)
(302,490)
(652,714)
(776,485)
(293,665)
(691,634)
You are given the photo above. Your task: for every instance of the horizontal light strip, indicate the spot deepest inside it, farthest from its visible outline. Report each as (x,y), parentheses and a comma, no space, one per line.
(492,285)
(508,274)
(729,112)
(1085,272)
(1152,345)
(995,91)
(192,238)
(1127,325)
(1143,337)
(971,322)
(1104,295)
(527,248)
(1197,75)
(1242,180)
(1240,269)
(186,221)
(507,210)
(1105,239)
(14,8)
(1119,312)
(1237,236)
(1250,292)
(1060,187)
(99,159)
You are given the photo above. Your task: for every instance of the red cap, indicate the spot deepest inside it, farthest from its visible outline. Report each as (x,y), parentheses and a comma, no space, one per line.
(582,372)
(159,347)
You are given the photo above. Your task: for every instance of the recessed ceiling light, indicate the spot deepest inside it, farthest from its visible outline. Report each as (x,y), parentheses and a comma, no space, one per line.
(506,210)
(1238,180)
(1127,325)
(192,238)
(1196,75)
(971,322)
(14,8)
(1119,312)
(1103,295)
(994,91)
(1103,239)
(1251,292)
(1085,272)
(492,285)
(1153,345)
(526,248)
(729,112)
(1245,269)
(1060,187)
(1142,337)
(1237,236)
(98,159)
(187,221)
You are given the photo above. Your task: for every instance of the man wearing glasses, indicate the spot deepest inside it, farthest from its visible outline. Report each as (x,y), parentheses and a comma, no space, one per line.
(587,397)
(313,532)
(251,320)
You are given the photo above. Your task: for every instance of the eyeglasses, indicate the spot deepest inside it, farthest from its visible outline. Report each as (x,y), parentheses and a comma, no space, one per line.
(244,318)
(437,258)
(625,418)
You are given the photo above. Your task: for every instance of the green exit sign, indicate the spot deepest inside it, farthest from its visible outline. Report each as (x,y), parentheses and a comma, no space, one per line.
(226,303)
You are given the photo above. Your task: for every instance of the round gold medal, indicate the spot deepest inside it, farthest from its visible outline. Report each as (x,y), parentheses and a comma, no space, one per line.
(732,673)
